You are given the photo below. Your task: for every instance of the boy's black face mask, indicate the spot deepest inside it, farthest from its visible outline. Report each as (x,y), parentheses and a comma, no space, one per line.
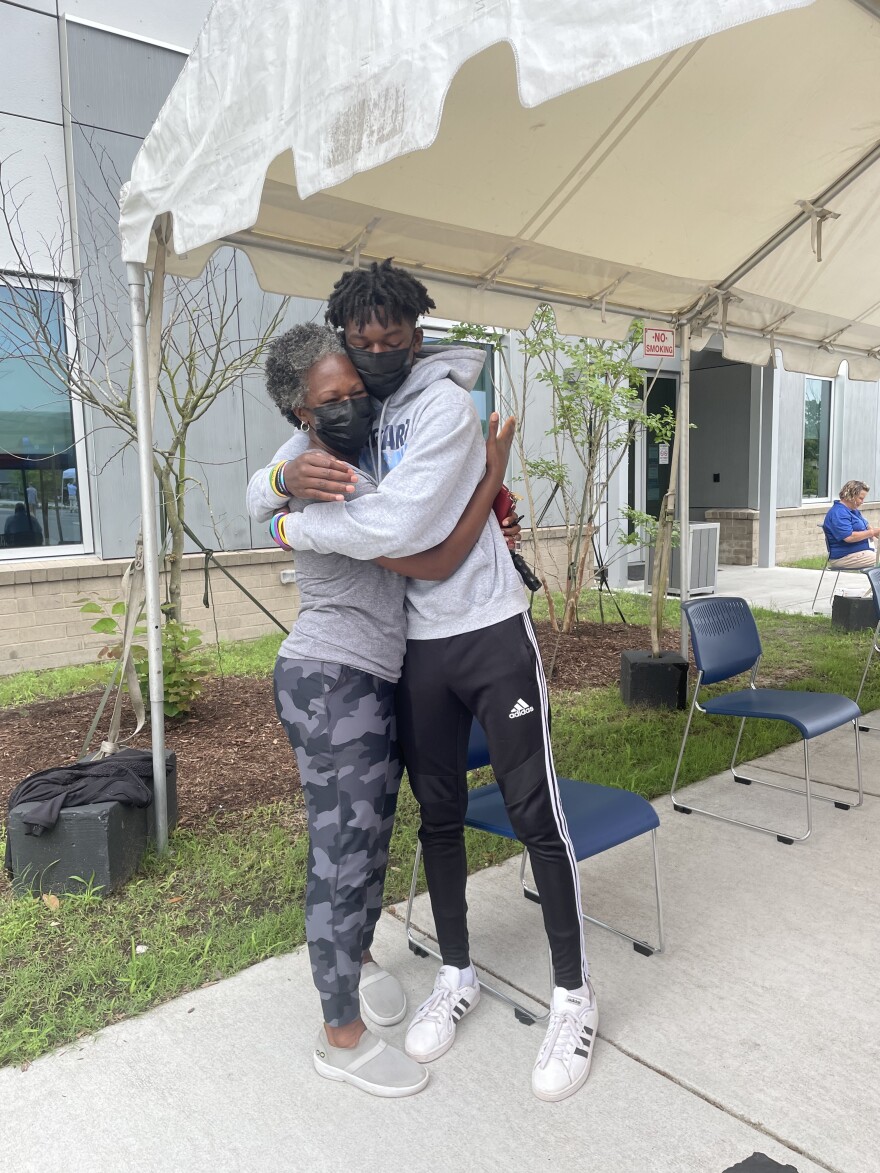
(382,372)
(345,426)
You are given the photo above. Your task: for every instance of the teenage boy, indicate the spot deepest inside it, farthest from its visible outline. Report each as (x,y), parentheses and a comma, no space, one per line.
(471,649)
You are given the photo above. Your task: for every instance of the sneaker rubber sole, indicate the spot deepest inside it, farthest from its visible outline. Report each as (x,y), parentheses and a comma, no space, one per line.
(442,1048)
(386,1093)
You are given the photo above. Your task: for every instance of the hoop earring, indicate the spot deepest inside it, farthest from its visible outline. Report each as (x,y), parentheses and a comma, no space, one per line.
(303,426)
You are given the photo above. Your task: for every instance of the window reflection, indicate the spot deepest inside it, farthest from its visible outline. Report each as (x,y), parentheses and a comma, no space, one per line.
(39,481)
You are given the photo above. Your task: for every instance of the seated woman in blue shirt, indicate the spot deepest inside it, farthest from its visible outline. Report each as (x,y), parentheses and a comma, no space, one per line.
(849,537)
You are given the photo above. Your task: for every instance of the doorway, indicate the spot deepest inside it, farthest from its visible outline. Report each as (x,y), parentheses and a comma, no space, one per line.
(650,463)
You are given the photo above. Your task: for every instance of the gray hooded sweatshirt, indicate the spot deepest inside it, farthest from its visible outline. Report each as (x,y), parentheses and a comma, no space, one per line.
(433,457)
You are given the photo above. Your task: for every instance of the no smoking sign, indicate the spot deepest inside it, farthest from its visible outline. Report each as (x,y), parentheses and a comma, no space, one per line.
(659,343)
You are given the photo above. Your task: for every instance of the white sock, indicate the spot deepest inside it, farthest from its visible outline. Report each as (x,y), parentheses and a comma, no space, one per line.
(467,977)
(583,991)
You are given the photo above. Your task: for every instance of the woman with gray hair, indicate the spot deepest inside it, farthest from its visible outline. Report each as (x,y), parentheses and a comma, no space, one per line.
(848,536)
(335,681)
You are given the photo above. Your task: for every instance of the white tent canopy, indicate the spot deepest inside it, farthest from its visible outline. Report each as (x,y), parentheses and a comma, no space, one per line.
(684,161)
(466,142)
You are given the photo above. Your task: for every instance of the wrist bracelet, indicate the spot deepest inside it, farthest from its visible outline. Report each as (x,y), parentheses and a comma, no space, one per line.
(276,480)
(276,531)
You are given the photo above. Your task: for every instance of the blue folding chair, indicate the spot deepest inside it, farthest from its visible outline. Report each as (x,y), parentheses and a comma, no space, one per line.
(829,567)
(598,817)
(874,580)
(726,643)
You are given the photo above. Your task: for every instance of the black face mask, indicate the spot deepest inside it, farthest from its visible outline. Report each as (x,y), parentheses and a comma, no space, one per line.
(345,426)
(382,372)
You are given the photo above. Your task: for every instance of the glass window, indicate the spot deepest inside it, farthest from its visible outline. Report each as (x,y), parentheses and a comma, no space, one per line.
(483,393)
(39,481)
(817,437)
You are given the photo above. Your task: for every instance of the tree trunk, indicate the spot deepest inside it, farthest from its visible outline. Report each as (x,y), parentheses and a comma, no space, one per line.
(172,489)
(663,547)
(579,578)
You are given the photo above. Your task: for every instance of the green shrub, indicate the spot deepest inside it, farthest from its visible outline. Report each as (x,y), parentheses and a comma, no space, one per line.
(182,667)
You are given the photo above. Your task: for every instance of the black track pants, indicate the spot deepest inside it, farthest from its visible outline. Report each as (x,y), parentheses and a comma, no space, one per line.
(494,674)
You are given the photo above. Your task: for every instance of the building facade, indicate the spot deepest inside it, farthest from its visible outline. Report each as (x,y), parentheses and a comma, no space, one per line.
(81,84)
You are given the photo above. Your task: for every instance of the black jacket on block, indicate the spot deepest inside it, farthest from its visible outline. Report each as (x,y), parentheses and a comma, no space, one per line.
(126,777)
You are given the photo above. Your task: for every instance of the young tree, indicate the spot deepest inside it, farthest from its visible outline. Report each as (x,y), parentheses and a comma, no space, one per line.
(596,406)
(200,355)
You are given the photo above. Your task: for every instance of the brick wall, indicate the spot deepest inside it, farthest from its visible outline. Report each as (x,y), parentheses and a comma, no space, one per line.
(41,625)
(798,534)
(737,536)
(553,553)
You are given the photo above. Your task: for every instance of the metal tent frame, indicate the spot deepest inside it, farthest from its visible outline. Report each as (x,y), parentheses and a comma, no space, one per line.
(706,313)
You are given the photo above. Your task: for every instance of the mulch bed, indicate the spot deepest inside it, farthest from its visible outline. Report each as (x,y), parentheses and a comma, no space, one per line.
(232,754)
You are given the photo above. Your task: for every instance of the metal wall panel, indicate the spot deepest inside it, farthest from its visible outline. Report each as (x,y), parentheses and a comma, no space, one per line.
(174,22)
(263,428)
(34,168)
(239,433)
(856,455)
(99,159)
(720,442)
(790,458)
(47,6)
(30,78)
(116,83)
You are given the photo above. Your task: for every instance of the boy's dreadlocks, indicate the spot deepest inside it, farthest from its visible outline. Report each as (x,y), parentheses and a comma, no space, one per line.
(382,291)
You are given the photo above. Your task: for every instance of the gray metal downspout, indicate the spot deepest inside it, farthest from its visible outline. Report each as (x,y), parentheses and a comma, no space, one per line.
(684,477)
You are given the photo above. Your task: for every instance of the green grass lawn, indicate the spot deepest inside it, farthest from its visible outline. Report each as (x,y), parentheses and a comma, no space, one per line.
(232,895)
(813,562)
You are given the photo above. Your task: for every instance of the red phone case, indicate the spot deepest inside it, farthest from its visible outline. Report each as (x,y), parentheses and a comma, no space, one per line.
(504,504)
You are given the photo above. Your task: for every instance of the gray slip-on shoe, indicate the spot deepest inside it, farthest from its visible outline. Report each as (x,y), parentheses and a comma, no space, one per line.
(372,1066)
(382,998)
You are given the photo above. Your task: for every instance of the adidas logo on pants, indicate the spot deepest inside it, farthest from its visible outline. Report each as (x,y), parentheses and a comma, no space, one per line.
(520,709)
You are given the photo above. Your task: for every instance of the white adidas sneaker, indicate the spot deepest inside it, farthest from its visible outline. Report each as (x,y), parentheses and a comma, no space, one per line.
(432,1030)
(564,1060)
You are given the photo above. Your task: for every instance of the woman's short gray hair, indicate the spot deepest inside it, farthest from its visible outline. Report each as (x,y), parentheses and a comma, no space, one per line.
(288,360)
(853,489)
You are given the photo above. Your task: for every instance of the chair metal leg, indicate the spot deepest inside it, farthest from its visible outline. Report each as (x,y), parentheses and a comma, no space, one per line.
(819,586)
(782,836)
(639,945)
(857,730)
(421,948)
(739,735)
(874,648)
(677,806)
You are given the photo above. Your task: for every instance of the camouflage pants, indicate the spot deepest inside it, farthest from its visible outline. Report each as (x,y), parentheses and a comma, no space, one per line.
(340,722)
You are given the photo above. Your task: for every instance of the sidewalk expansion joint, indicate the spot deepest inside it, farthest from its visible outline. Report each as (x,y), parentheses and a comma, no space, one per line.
(707,1099)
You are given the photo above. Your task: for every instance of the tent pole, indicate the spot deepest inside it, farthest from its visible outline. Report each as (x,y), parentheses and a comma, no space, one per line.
(684,473)
(136,283)
(157,302)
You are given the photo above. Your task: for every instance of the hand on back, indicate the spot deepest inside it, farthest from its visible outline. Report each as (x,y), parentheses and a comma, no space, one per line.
(318,476)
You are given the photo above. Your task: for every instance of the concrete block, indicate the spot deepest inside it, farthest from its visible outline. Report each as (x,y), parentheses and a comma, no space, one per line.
(853,614)
(102,843)
(657,683)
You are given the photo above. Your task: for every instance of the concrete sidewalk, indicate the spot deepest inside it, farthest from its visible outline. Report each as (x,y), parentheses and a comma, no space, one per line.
(757,1031)
(784,588)
(781,588)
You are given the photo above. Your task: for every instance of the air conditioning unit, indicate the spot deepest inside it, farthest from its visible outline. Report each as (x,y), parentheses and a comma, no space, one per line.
(704,561)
